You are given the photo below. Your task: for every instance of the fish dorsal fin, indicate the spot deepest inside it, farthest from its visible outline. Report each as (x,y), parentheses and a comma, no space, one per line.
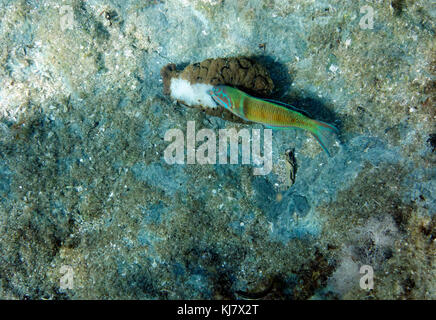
(280,103)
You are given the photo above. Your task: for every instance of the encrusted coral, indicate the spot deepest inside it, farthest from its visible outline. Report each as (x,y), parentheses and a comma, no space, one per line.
(241,72)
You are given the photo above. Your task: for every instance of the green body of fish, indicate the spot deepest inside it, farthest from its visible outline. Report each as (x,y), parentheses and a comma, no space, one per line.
(268,113)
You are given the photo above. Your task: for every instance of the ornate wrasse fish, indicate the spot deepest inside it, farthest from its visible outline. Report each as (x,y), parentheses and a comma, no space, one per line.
(269,113)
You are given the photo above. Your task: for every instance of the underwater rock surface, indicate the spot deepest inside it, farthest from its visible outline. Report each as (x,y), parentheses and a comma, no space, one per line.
(90,208)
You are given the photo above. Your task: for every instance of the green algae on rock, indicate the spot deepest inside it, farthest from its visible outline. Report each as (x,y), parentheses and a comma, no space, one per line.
(81,144)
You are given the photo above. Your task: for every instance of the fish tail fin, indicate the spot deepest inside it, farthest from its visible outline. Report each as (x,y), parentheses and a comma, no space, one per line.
(320,130)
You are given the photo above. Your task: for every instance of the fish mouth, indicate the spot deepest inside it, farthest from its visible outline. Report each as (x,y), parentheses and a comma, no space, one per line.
(212,95)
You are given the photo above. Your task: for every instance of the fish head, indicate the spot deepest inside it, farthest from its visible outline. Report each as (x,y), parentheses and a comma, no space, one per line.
(221,96)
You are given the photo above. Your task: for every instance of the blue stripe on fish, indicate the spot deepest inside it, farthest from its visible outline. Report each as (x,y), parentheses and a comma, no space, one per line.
(219,95)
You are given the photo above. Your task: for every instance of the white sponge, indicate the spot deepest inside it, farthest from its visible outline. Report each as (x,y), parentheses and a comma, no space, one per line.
(192,94)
